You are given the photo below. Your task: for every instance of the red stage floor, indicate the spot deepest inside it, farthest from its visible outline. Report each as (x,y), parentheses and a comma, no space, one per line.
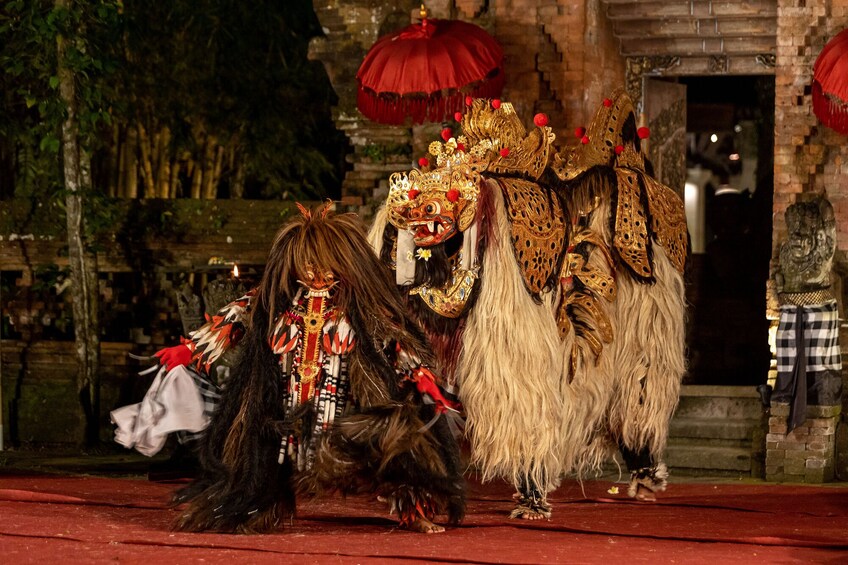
(62,519)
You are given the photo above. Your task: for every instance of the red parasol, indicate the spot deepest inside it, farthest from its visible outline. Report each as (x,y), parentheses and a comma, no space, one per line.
(830,84)
(426,70)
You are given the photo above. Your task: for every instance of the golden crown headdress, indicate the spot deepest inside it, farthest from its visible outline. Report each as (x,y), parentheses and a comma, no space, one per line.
(494,140)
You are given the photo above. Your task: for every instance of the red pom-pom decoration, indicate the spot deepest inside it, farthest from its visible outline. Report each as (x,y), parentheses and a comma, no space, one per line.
(619,149)
(541,120)
(413,193)
(468,100)
(496,103)
(643,132)
(447,134)
(504,152)
(584,140)
(580,132)
(460,147)
(607,102)
(458,116)
(452,195)
(423,162)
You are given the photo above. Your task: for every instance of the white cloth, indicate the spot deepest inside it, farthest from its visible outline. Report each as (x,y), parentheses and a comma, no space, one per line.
(404,258)
(172,403)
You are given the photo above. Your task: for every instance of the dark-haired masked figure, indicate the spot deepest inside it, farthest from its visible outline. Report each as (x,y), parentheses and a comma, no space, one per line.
(331,392)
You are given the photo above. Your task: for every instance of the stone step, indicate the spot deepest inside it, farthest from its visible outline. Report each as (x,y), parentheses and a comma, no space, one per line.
(712,428)
(707,458)
(719,403)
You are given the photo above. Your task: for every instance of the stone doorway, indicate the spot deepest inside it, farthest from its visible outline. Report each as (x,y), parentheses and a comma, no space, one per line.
(728,194)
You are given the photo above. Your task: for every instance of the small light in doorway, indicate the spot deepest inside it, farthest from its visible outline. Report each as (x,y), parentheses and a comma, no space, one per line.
(235,271)
(713,138)
(737,128)
(734,156)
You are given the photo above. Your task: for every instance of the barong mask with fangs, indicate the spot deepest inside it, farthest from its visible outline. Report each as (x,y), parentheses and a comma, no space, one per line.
(437,210)
(439,207)
(317,281)
(434,206)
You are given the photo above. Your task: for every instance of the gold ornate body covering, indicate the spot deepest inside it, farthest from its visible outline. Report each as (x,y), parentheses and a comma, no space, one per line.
(623,299)
(618,340)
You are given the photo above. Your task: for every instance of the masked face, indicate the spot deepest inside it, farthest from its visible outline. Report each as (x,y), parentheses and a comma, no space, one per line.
(318,280)
(433,206)
(431,218)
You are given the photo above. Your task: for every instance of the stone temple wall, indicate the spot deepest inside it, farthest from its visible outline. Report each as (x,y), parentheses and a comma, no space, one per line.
(560,58)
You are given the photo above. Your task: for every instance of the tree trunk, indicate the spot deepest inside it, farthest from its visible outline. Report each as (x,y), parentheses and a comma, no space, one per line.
(77,175)
(114,165)
(237,188)
(209,190)
(131,164)
(174,181)
(164,163)
(146,162)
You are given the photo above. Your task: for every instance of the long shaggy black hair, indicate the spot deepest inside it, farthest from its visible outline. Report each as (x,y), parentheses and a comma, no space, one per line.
(381,447)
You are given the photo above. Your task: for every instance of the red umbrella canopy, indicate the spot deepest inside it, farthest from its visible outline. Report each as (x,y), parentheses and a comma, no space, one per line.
(426,70)
(830,84)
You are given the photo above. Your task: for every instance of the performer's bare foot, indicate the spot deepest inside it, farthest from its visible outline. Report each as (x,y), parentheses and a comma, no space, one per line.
(530,509)
(529,514)
(424,526)
(644,494)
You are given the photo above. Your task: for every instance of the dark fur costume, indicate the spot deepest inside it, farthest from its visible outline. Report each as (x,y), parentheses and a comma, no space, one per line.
(379,445)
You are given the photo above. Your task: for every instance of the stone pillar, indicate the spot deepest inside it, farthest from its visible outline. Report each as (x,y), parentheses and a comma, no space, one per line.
(807,454)
(809,157)
(350,28)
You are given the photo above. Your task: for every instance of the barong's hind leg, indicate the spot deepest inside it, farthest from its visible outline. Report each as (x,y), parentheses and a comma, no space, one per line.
(531,503)
(646,476)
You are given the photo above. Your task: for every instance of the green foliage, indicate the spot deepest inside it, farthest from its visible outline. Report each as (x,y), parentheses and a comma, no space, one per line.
(234,72)
(29,31)
(241,75)
(49,278)
(33,111)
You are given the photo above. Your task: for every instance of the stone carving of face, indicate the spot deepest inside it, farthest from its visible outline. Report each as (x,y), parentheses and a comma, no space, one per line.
(806,257)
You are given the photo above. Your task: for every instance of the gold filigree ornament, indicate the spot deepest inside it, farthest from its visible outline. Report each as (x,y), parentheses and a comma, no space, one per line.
(631,225)
(494,141)
(668,221)
(604,141)
(500,144)
(537,225)
(449,301)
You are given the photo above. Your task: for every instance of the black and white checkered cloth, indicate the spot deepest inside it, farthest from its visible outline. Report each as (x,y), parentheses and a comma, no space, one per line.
(211,394)
(821,338)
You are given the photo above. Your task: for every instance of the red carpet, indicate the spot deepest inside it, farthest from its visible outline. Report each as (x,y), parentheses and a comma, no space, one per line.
(46,518)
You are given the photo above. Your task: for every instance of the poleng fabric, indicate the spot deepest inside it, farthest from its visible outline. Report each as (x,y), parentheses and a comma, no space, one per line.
(814,331)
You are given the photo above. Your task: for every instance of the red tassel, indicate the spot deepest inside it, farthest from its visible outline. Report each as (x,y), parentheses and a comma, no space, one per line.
(829,110)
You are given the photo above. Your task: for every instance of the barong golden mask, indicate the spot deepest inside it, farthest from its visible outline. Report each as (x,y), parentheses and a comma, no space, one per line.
(437,204)
(434,205)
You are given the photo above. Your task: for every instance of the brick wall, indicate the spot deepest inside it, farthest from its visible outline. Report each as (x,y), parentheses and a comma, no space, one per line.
(561,58)
(351,27)
(809,157)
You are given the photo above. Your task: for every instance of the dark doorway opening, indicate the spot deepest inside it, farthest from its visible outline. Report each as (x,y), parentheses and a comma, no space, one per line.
(729,190)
